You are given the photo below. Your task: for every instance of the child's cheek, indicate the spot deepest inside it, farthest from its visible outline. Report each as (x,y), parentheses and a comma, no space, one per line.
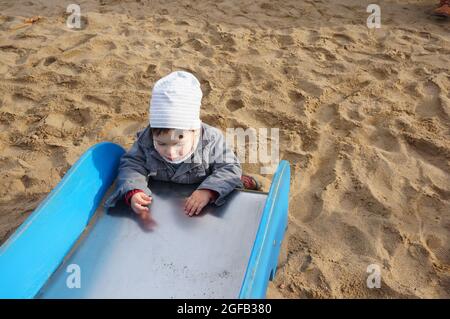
(187,148)
(160,150)
(183,150)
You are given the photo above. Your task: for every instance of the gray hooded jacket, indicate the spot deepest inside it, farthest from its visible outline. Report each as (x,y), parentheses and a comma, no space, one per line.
(212,164)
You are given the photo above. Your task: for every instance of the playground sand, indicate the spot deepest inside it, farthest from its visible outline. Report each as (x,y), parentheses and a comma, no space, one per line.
(364,118)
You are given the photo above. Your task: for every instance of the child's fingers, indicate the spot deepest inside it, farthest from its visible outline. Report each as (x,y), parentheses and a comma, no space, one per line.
(188,205)
(199,208)
(141,209)
(143,201)
(138,200)
(146,197)
(193,208)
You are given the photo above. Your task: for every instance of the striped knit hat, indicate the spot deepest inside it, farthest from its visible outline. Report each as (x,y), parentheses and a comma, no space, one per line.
(175,102)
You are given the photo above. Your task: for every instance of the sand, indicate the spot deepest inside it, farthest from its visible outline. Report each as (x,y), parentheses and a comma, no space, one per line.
(364,118)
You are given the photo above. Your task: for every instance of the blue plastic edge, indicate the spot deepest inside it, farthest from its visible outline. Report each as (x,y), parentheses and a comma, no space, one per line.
(263,260)
(35,250)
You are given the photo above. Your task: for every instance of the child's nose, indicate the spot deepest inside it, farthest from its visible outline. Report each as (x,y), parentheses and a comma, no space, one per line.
(172,153)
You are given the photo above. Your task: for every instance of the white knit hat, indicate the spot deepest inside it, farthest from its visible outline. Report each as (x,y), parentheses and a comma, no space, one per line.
(175,102)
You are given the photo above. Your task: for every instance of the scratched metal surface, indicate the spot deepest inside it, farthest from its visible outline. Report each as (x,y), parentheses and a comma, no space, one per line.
(182,257)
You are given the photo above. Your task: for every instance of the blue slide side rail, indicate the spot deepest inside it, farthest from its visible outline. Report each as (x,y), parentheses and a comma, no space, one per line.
(36,249)
(263,260)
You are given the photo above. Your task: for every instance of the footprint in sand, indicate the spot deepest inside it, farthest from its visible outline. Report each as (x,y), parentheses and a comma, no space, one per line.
(234,105)
(20,55)
(285,41)
(358,242)
(296,96)
(342,39)
(49,60)
(95,99)
(436,245)
(431,104)
(201,47)
(72,42)
(391,239)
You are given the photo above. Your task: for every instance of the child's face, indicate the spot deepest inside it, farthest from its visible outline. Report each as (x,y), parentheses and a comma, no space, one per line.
(174,144)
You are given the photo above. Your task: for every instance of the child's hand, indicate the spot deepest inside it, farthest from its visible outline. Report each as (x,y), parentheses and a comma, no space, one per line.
(138,202)
(199,199)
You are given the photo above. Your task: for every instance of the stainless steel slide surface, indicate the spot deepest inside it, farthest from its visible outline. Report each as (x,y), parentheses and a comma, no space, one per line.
(182,257)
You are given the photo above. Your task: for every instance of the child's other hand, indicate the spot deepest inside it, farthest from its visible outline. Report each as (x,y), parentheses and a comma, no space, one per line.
(199,199)
(139,201)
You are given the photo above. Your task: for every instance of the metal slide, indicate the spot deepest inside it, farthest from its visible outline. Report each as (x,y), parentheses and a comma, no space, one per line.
(229,251)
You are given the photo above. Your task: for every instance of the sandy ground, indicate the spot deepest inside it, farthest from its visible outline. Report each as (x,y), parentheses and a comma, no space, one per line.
(364,118)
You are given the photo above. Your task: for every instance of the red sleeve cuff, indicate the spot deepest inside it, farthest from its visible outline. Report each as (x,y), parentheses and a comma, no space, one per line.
(130,194)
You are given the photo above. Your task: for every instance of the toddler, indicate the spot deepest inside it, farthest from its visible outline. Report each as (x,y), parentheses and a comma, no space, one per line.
(179,148)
